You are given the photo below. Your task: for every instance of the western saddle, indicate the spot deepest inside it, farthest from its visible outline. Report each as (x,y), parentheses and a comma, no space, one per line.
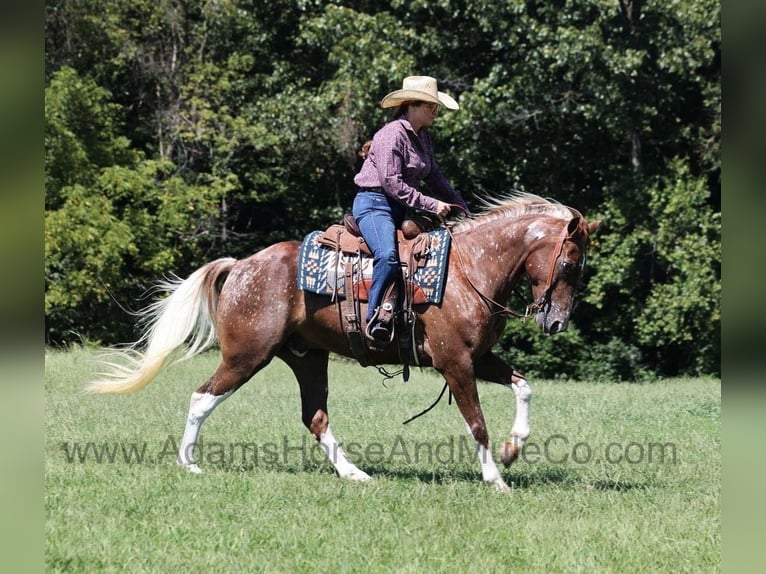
(397,307)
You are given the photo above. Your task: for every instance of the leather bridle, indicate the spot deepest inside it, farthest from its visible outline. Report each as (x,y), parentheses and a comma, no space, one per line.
(544,297)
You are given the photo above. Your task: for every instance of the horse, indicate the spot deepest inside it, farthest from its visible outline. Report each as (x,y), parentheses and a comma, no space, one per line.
(255,311)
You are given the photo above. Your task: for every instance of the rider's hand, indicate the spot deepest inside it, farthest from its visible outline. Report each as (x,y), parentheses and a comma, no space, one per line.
(442,209)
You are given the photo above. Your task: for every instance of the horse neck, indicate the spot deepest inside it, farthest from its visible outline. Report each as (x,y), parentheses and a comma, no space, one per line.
(494,252)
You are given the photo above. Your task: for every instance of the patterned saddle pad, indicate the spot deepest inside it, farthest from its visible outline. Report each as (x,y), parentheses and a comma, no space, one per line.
(321,268)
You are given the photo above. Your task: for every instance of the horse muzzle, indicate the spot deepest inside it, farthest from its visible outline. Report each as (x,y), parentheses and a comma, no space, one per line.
(552,322)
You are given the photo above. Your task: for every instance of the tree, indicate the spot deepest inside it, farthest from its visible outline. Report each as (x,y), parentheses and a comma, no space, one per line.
(252,113)
(114,221)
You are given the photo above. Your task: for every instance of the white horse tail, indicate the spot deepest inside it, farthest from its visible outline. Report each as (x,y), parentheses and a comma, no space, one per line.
(186,317)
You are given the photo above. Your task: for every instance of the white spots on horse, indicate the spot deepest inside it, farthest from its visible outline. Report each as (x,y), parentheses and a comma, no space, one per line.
(238,283)
(491,252)
(535,231)
(497,250)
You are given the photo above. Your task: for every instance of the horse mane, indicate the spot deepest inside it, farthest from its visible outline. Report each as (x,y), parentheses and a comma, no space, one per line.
(514,205)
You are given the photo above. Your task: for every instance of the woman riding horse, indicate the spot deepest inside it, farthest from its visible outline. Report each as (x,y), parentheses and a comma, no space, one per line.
(399,158)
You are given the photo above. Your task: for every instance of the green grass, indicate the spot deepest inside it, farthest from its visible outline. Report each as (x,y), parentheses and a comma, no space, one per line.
(285,511)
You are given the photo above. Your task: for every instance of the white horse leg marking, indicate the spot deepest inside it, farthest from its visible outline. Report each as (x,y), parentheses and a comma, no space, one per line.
(338,458)
(490,474)
(200,407)
(520,430)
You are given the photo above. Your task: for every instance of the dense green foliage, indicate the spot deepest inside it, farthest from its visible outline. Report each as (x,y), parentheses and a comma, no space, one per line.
(179,132)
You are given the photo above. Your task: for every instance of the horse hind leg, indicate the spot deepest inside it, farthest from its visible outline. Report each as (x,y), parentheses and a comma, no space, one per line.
(228,378)
(200,407)
(311,371)
(252,317)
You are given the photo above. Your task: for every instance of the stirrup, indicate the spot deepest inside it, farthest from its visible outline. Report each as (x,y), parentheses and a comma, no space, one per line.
(380,332)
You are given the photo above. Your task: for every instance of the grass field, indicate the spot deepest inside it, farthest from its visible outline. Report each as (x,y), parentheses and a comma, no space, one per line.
(615,478)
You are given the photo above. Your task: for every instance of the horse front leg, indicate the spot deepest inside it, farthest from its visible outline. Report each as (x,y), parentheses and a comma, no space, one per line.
(311,371)
(495,370)
(463,387)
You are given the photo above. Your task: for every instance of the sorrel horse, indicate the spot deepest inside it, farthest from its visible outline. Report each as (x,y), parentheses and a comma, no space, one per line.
(256,311)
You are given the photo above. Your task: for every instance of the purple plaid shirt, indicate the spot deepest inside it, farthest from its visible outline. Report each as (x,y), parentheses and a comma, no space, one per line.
(399,160)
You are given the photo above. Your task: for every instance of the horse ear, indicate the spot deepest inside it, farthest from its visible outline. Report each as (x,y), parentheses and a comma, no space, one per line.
(574,223)
(593,226)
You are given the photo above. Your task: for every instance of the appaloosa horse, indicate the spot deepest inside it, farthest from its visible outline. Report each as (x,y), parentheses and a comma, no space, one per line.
(256,311)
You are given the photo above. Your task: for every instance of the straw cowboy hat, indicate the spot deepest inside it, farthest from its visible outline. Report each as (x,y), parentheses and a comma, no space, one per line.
(419,89)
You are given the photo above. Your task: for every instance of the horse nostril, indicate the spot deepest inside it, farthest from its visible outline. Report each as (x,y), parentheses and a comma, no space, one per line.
(555,327)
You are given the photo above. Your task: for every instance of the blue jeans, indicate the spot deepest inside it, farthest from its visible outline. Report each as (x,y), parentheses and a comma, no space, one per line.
(378,217)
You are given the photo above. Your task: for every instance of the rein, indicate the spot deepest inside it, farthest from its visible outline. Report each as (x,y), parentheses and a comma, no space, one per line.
(436,402)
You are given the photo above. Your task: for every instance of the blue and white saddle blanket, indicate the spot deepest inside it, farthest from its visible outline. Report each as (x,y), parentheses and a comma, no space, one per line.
(321,268)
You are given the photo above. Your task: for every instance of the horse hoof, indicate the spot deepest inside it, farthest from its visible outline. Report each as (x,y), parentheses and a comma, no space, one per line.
(358,475)
(508,452)
(193,468)
(499,485)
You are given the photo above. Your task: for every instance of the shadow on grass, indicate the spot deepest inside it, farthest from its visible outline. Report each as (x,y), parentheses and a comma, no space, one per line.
(518,477)
(617,485)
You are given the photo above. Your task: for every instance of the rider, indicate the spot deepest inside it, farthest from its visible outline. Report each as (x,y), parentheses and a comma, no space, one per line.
(398,160)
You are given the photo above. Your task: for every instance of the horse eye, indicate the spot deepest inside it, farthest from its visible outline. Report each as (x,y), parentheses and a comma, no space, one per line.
(567,265)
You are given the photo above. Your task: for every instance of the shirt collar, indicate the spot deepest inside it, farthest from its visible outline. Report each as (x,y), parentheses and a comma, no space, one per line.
(406,123)
(408,126)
